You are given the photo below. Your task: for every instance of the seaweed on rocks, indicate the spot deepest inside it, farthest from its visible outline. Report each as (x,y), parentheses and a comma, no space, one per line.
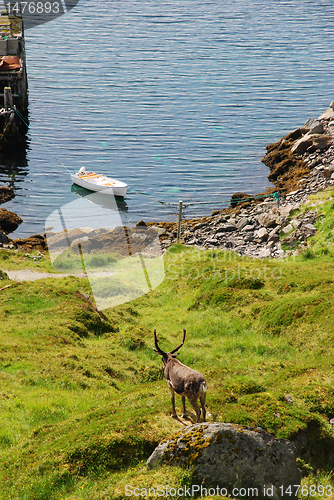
(286,167)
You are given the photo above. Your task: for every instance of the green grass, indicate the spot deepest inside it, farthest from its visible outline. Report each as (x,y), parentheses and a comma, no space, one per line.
(20,259)
(83,402)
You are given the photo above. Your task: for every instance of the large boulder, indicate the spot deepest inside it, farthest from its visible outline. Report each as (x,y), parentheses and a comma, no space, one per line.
(9,221)
(302,144)
(268,219)
(262,234)
(329,171)
(288,209)
(233,456)
(327,115)
(322,141)
(314,126)
(312,142)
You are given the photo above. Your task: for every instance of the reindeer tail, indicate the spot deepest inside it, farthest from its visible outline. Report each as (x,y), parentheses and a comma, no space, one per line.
(202,388)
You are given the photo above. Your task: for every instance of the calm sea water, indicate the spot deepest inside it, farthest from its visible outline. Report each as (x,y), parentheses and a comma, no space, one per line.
(177,98)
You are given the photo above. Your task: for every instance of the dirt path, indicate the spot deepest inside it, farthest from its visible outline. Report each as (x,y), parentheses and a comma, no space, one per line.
(28,275)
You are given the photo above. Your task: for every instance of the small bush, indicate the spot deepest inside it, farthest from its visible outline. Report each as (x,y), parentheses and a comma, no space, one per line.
(118,454)
(132,343)
(308,254)
(246,283)
(88,322)
(244,385)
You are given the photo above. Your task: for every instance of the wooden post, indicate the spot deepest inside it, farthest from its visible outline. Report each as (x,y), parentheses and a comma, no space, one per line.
(145,272)
(8,98)
(82,259)
(179,222)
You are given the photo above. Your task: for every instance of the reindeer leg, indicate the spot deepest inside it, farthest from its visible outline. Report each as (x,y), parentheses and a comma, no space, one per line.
(193,402)
(202,397)
(172,393)
(184,414)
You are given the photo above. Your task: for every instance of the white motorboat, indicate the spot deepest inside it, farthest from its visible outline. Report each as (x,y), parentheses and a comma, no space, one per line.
(99,183)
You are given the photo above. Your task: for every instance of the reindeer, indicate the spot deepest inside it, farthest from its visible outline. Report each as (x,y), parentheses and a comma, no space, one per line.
(182,380)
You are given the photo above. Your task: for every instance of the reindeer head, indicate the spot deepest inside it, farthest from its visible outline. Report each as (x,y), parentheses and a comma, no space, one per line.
(166,356)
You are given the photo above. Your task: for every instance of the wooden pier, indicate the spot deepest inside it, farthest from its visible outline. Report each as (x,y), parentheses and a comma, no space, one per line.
(13,80)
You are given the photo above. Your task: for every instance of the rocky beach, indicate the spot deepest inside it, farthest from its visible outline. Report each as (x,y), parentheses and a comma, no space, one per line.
(261,226)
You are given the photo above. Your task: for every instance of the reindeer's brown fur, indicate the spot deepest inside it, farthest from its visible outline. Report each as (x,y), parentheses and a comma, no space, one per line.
(183,380)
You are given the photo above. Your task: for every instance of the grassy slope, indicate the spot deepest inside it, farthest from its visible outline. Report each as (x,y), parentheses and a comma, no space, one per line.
(83,402)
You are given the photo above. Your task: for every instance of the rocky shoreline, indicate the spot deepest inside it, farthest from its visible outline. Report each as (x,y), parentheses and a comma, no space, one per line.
(256,230)
(301,164)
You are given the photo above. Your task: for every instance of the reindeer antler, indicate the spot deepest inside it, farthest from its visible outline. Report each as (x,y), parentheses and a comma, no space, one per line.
(178,347)
(157,349)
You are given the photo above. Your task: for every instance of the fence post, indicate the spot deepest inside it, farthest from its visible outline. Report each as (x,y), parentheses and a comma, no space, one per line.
(179,222)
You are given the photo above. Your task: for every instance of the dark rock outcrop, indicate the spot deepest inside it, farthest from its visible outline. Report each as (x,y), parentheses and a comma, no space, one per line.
(286,168)
(6,194)
(9,221)
(35,242)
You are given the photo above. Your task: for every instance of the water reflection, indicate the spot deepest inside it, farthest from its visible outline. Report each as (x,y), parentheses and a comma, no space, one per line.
(14,162)
(104,200)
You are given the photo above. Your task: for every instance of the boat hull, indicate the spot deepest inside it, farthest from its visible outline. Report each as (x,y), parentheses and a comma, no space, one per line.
(118,189)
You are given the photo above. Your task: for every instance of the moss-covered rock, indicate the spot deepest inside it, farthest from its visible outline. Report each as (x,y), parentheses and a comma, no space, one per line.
(230,456)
